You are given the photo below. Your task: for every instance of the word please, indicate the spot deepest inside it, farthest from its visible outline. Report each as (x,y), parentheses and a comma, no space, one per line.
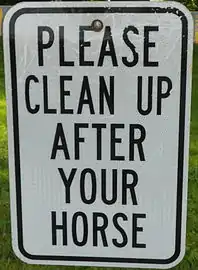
(107,49)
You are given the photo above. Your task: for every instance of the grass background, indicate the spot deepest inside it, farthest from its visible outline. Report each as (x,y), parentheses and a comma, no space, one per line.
(7,257)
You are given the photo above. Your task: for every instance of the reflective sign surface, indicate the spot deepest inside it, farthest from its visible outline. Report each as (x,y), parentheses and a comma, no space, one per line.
(98,99)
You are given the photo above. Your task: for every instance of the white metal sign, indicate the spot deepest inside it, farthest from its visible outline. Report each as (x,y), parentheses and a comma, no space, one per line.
(98,99)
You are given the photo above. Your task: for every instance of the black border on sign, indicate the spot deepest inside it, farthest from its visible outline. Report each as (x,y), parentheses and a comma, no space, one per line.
(184,45)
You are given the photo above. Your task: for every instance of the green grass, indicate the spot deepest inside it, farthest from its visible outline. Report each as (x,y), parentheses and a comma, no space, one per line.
(8,261)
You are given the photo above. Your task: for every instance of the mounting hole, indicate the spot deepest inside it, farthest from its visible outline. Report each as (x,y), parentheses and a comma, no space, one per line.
(97,25)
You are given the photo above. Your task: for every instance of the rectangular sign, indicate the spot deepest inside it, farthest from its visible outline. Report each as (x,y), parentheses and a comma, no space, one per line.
(98,98)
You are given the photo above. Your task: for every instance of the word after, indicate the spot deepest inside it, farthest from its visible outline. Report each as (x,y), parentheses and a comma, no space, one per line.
(98,123)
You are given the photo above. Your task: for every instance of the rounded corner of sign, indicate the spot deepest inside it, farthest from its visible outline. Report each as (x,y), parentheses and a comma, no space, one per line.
(182,8)
(12,13)
(22,254)
(175,259)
